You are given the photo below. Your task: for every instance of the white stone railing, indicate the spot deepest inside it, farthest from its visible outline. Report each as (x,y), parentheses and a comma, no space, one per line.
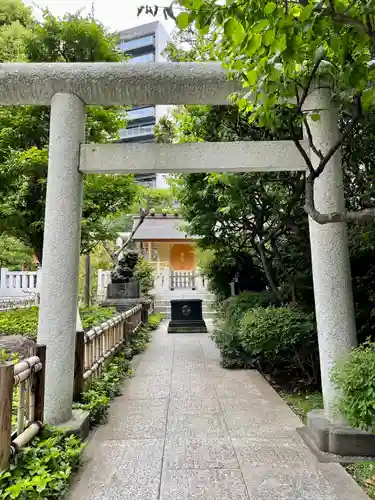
(162,282)
(104,279)
(165,280)
(19,284)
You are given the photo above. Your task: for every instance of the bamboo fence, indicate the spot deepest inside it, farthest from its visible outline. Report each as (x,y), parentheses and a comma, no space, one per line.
(22,402)
(22,385)
(97,346)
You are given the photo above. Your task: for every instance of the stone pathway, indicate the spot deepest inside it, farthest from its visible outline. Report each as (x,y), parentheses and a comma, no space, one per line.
(187,429)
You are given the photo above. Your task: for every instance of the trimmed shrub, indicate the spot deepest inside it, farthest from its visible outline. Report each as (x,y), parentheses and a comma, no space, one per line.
(227,327)
(281,336)
(94,315)
(252,334)
(354,376)
(245,301)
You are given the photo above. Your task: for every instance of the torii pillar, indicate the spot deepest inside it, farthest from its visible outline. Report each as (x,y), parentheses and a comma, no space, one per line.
(61,248)
(333,294)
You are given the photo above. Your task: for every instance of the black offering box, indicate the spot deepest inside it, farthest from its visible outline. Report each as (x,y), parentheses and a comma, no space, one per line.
(187,316)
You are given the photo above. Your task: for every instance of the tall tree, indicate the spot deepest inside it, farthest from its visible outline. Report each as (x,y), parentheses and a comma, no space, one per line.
(290,256)
(24,136)
(16,21)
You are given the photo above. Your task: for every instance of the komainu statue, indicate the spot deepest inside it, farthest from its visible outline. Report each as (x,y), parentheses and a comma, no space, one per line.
(124,269)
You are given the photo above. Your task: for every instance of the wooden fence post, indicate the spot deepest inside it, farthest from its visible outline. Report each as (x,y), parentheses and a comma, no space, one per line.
(144,313)
(40,378)
(79,366)
(125,330)
(6,396)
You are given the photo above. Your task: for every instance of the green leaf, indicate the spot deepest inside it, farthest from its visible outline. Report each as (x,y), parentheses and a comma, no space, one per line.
(234,29)
(260,25)
(306,12)
(239,34)
(269,8)
(315,117)
(269,37)
(368,99)
(252,76)
(229,27)
(183,20)
(281,44)
(254,44)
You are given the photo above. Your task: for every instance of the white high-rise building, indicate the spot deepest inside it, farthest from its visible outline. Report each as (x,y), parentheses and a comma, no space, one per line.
(144,43)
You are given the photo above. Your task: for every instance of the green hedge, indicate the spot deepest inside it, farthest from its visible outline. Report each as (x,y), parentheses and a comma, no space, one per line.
(25,321)
(227,327)
(354,376)
(282,338)
(144,272)
(251,333)
(276,332)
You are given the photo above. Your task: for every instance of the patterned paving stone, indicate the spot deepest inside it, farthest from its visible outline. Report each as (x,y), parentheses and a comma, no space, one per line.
(189,422)
(138,419)
(203,485)
(139,485)
(207,452)
(149,387)
(288,483)
(277,452)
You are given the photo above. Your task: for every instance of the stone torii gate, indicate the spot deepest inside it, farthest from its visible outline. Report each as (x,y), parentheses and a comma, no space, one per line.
(68,88)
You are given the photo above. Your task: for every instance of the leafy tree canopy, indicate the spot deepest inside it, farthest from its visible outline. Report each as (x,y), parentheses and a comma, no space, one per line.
(24,132)
(281,51)
(14,254)
(226,200)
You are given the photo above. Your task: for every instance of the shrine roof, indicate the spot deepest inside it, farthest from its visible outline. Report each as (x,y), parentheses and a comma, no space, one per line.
(160,228)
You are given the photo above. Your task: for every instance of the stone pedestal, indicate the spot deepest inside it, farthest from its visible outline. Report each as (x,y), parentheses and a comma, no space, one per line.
(129,290)
(121,305)
(122,296)
(187,316)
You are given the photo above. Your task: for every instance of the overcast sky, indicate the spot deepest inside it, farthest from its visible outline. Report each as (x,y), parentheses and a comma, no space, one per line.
(114,14)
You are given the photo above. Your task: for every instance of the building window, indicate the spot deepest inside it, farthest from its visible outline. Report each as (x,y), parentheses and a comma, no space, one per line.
(136,131)
(137,43)
(143,58)
(136,114)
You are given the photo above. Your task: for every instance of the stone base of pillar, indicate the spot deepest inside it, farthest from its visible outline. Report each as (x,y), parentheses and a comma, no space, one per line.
(333,442)
(79,424)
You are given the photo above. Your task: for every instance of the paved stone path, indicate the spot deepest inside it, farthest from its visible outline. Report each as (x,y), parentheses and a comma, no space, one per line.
(187,429)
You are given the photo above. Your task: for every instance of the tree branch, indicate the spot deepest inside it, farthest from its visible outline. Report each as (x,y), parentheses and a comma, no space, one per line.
(142,217)
(287,275)
(310,208)
(317,151)
(265,264)
(347,131)
(110,254)
(305,92)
